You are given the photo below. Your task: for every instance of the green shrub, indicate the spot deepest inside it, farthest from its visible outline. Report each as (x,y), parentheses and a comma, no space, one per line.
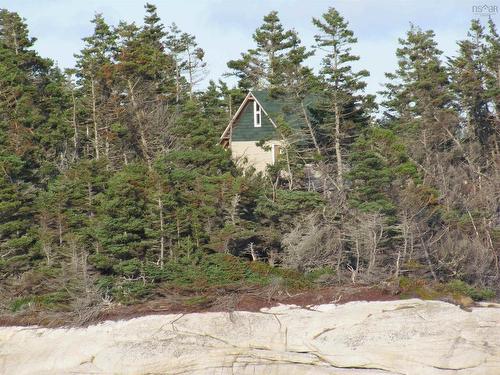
(197,274)
(54,300)
(105,283)
(422,288)
(199,301)
(51,301)
(319,273)
(223,269)
(101,262)
(128,268)
(219,270)
(419,288)
(131,292)
(21,303)
(291,279)
(477,294)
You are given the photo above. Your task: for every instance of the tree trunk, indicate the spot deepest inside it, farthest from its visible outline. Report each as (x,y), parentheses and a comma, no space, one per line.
(16,44)
(309,126)
(94,120)
(162,236)
(75,127)
(338,151)
(60,230)
(190,72)
(140,115)
(177,81)
(289,167)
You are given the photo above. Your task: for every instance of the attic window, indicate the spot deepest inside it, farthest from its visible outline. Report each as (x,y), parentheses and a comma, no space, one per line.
(256,115)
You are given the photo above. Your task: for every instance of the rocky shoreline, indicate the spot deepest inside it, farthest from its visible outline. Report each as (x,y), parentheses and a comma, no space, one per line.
(387,337)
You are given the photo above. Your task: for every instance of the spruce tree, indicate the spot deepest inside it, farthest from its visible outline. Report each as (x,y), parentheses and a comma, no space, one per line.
(468,82)
(14,33)
(33,131)
(17,232)
(492,63)
(418,97)
(144,79)
(263,67)
(124,224)
(94,65)
(345,105)
(188,60)
(216,104)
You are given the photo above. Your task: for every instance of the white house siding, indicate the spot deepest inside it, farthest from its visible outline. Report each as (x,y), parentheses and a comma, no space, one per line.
(247,153)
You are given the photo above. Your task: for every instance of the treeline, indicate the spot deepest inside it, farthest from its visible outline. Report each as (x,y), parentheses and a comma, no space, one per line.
(112,181)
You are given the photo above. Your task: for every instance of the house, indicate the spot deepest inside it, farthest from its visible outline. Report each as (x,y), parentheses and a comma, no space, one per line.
(255,123)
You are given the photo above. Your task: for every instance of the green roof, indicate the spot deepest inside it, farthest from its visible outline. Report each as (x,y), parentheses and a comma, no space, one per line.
(276,108)
(278,105)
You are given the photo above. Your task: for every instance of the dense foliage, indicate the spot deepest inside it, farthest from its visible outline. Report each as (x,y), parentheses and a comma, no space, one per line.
(113,185)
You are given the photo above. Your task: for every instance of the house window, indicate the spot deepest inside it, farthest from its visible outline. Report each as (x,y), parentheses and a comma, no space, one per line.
(256,115)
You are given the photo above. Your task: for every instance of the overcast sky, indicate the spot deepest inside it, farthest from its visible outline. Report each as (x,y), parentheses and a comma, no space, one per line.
(224,28)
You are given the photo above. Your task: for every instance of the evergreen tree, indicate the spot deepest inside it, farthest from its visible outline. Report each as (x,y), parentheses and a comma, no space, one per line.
(112,182)
(299,89)
(491,59)
(81,186)
(153,30)
(14,33)
(94,64)
(346,107)
(419,99)
(188,60)
(192,177)
(17,234)
(144,79)
(33,130)
(34,103)
(468,82)
(380,166)
(217,101)
(264,66)
(124,224)
(474,81)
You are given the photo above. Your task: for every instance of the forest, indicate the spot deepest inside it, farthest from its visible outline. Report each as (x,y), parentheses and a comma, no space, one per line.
(114,188)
